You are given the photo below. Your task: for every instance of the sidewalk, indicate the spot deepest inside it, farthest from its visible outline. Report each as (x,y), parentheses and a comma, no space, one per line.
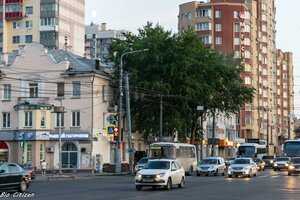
(79,175)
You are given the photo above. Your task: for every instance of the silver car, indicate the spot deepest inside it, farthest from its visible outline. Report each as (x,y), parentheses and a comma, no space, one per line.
(242,167)
(211,165)
(140,164)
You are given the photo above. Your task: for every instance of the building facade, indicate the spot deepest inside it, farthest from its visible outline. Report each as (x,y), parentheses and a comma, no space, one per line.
(54,23)
(98,39)
(247,29)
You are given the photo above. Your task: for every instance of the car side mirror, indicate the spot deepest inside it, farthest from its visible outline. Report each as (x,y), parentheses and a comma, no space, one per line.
(173,169)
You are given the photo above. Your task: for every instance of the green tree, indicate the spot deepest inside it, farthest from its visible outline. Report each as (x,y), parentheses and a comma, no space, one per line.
(186,73)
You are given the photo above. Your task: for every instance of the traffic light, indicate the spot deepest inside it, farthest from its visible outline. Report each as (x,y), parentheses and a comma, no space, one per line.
(116,134)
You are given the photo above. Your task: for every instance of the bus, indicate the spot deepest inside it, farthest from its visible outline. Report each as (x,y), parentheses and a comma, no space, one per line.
(184,153)
(291,148)
(252,150)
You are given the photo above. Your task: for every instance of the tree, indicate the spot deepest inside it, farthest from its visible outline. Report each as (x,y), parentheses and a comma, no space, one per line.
(186,73)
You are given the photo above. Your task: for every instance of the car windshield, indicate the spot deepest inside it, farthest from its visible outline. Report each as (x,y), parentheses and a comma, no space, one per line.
(241,161)
(157,165)
(295,160)
(143,161)
(268,157)
(257,160)
(231,158)
(282,159)
(209,161)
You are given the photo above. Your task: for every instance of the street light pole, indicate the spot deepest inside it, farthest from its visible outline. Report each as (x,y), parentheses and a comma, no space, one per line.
(118,161)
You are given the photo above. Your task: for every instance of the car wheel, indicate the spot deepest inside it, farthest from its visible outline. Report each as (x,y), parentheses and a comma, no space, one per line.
(278,169)
(255,173)
(216,173)
(169,184)
(289,173)
(236,176)
(138,187)
(206,174)
(274,169)
(198,174)
(181,184)
(229,176)
(22,186)
(190,171)
(250,174)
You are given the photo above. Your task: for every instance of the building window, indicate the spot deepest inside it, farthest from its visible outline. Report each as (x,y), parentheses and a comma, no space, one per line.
(75,118)
(1,23)
(16,25)
(235,14)
(218,40)
(204,26)
(76,89)
(218,14)
(247,80)
(1,37)
(236,27)
(28,118)
(206,39)
(29,10)
(60,89)
(28,24)
(218,27)
(42,151)
(49,21)
(6,120)
(203,13)
(6,95)
(248,119)
(43,119)
(33,90)
(62,120)
(28,38)
(236,41)
(16,39)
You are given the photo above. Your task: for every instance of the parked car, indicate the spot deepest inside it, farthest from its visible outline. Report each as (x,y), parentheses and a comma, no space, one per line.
(281,163)
(211,165)
(260,164)
(294,166)
(13,176)
(268,159)
(229,161)
(242,167)
(160,172)
(30,168)
(140,164)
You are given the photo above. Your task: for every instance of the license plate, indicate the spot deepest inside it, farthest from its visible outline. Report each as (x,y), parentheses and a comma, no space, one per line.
(147,180)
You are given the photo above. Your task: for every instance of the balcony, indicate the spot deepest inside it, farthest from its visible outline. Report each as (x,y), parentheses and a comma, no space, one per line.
(13,1)
(33,101)
(13,16)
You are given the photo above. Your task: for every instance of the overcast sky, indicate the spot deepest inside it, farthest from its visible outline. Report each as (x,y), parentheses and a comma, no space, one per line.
(133,14)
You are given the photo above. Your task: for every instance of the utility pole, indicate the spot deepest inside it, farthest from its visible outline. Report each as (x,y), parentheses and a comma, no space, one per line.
(128,116)
(213,134)
(161,118)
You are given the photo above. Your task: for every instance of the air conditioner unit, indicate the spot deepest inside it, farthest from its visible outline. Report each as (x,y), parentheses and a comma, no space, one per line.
(50,149)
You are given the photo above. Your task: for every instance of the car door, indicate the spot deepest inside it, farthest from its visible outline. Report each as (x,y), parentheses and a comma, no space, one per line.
(14,174)
(222,165)
(4,180)
(174,173)
(253,166)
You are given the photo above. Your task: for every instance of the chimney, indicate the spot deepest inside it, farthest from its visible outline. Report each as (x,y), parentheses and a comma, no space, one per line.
(103,26)
(97,64)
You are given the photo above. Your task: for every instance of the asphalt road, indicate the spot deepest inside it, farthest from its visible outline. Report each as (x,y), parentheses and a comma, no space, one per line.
(267,185)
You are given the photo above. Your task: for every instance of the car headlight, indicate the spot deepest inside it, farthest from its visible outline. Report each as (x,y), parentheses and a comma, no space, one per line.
(275,164)
(271,161)
(291,167)
(286,164)
(138,176)
(159,175)
(229,168)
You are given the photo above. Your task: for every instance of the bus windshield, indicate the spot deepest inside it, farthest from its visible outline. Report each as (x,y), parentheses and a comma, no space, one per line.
(157,152)
(246,151)
(292,149)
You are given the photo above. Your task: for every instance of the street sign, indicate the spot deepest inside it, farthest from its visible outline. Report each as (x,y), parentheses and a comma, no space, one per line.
(111,118)
(110,130)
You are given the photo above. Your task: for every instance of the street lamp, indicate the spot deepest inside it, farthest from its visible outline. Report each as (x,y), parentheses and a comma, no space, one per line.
(118,162)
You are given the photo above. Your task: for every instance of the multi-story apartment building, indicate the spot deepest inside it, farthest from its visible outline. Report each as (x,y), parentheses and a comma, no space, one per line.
(247,29)
(34,86)
(98,39)
(53,23)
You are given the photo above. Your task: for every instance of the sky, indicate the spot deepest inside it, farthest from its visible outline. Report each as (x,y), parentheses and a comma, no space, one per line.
(131,15)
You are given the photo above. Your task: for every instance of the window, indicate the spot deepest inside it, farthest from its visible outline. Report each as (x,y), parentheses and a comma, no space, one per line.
(43,119)
(6,92)
(75,118)
(204,26)
(1,37)
(60,89)
(49,7)
(29,10)
(236,28)
(218,40)
(16,39)
(16,25)
(28,24)
(236,41)
(1,23)
(33,90)
(235,14)
(206,39)
(218,27)
(62,119)
(203,13)
(218,14)
(247,80)
(76,89)
(248,119)
(49,21)
(6,119)
(28,118)
(28,38)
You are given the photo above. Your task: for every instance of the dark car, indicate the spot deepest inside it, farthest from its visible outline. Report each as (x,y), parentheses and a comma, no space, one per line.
(294,166)
(14,177)
(30,168)
(260,164)
(269,160)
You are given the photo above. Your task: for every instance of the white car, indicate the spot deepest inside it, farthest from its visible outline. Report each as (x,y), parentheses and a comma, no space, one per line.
(281,163)
(242,167)
(211,165)
(160,172)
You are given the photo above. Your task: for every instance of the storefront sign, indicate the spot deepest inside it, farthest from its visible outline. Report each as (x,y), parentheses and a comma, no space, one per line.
(69,136)
(25,136)
(7,136)
(42,135)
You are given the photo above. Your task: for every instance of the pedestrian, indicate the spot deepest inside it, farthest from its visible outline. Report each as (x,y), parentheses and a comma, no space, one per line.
(43,166)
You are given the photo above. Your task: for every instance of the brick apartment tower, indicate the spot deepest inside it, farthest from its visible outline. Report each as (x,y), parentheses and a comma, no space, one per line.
(49,22)
(247,28)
